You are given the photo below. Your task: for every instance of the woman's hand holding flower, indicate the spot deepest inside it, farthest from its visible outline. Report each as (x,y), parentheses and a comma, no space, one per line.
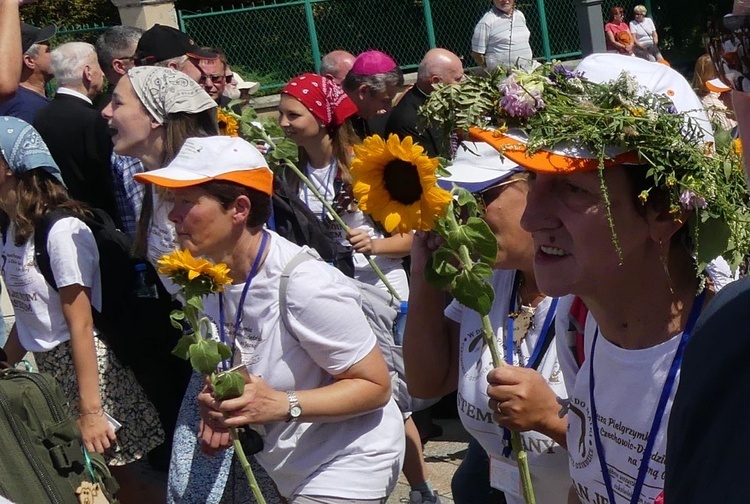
(521,400)
(259,404)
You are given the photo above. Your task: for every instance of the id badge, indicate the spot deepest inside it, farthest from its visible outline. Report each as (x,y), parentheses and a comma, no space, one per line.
(505,476)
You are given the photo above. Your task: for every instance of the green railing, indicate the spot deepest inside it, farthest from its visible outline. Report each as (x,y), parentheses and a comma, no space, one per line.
(87,33)
(279,39)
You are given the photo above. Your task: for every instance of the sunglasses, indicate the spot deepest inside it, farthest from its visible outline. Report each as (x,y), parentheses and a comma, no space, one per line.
(489,194)
(216,79)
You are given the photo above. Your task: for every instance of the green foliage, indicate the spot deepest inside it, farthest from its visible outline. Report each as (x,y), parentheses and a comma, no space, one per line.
(228,385)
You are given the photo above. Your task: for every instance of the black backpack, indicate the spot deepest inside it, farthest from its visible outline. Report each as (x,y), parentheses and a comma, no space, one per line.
(136,328)
(293,220)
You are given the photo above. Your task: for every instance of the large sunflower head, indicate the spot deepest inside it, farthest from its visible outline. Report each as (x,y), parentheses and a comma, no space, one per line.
(228,124)
(197,275)
(396,183)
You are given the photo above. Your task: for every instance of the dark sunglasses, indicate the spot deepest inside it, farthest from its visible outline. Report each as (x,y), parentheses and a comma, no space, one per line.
(489,194)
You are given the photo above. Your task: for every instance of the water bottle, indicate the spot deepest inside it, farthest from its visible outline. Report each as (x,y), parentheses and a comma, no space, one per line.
(400,325)
(143,288)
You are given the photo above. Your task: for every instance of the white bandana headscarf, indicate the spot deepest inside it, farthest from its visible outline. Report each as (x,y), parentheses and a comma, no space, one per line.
(164,91)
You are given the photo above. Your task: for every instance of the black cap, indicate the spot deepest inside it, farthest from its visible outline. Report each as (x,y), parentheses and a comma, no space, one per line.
(160,43)
(31,35)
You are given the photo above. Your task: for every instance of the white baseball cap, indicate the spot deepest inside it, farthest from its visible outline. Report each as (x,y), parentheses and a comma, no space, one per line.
(251,86)
(202,160)
(477,166)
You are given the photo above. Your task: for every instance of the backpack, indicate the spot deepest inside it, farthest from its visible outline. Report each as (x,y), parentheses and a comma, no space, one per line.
(383,313)
(136,327)
(44,458)
(293,220)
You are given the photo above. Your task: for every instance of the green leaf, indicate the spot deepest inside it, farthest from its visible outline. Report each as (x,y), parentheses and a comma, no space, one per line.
(482,270)
(440,271)
(481,239)
(713,239)
(228,385)
(182,349)
(204,356)
(175,317)
(196,302)
(466,201)
(472,292)
(225,351)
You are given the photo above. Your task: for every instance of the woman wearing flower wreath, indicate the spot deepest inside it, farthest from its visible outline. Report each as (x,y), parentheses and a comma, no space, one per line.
(445,352)
(57,324)
(152,112)
(628,230)
(619,38)
(317,377)
(314,113)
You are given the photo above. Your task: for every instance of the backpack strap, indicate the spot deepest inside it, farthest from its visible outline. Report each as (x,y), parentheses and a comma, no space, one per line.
(303,256)
(41,234)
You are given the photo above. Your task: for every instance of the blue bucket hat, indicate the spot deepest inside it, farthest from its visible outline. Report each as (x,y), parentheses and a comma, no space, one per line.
(23,148)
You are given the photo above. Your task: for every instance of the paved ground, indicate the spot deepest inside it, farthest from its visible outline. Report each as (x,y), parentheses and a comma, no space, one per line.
(443,455)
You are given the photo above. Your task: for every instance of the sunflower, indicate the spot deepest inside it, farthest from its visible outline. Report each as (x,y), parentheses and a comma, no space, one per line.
(395,182)
(194,272)
(228,124)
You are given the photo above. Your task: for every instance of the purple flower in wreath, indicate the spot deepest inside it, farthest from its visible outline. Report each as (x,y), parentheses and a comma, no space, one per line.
(561,74)
(690,201)
(521,101)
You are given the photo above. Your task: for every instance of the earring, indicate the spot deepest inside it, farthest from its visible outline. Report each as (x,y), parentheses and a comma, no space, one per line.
(663,259)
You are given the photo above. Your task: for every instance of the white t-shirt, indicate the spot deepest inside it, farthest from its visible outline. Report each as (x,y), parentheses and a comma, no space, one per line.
(547,459)
(643,31)
(162,237)
(74,259)
(503,39)
(358,457)
(628,386)
(393,268)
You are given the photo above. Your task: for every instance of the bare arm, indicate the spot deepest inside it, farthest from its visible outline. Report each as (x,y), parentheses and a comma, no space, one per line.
(76,306)
(430,340)
(479,59)
(11,53)
(396,246)
(363,387)
(13,348)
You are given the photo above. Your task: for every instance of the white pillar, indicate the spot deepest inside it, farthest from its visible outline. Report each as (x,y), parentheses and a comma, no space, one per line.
(146,13)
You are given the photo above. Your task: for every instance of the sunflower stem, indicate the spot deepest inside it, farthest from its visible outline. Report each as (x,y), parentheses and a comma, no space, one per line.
(333,214)
(246,467)
(490,340)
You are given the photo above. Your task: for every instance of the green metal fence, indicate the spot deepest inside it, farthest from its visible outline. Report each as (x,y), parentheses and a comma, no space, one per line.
(87,33)
(283,38)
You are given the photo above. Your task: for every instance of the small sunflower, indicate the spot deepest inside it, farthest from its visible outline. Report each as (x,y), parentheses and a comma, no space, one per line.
(396,183)
(228,125)
(194,272)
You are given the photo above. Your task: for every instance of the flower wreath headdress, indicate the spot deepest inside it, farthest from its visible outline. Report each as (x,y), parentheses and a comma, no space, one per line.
(613,110)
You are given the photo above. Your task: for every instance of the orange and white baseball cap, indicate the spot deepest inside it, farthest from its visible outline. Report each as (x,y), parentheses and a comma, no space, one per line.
(717,86)
(202,160)
(601,68)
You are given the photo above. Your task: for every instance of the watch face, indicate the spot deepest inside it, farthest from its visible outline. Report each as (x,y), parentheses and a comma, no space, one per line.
(295,411)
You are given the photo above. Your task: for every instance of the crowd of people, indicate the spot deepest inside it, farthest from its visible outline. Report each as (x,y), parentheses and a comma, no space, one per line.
(598,293)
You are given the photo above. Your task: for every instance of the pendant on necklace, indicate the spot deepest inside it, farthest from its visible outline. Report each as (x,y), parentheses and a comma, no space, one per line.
(523,321)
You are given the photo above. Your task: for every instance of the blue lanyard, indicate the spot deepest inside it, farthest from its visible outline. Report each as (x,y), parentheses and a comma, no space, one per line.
(240,311)
(328,185)
(660,408)
(534,360)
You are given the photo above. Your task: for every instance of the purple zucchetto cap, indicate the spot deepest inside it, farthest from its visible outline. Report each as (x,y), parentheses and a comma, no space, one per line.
(373,63)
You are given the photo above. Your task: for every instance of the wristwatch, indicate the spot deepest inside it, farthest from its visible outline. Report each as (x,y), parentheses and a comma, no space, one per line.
(295,410)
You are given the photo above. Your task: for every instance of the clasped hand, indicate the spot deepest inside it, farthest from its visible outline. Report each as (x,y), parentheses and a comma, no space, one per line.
(521,400)
(259,404)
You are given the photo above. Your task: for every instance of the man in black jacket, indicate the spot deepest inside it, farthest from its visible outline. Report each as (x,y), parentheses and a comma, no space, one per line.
(73,129)
(438,65)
